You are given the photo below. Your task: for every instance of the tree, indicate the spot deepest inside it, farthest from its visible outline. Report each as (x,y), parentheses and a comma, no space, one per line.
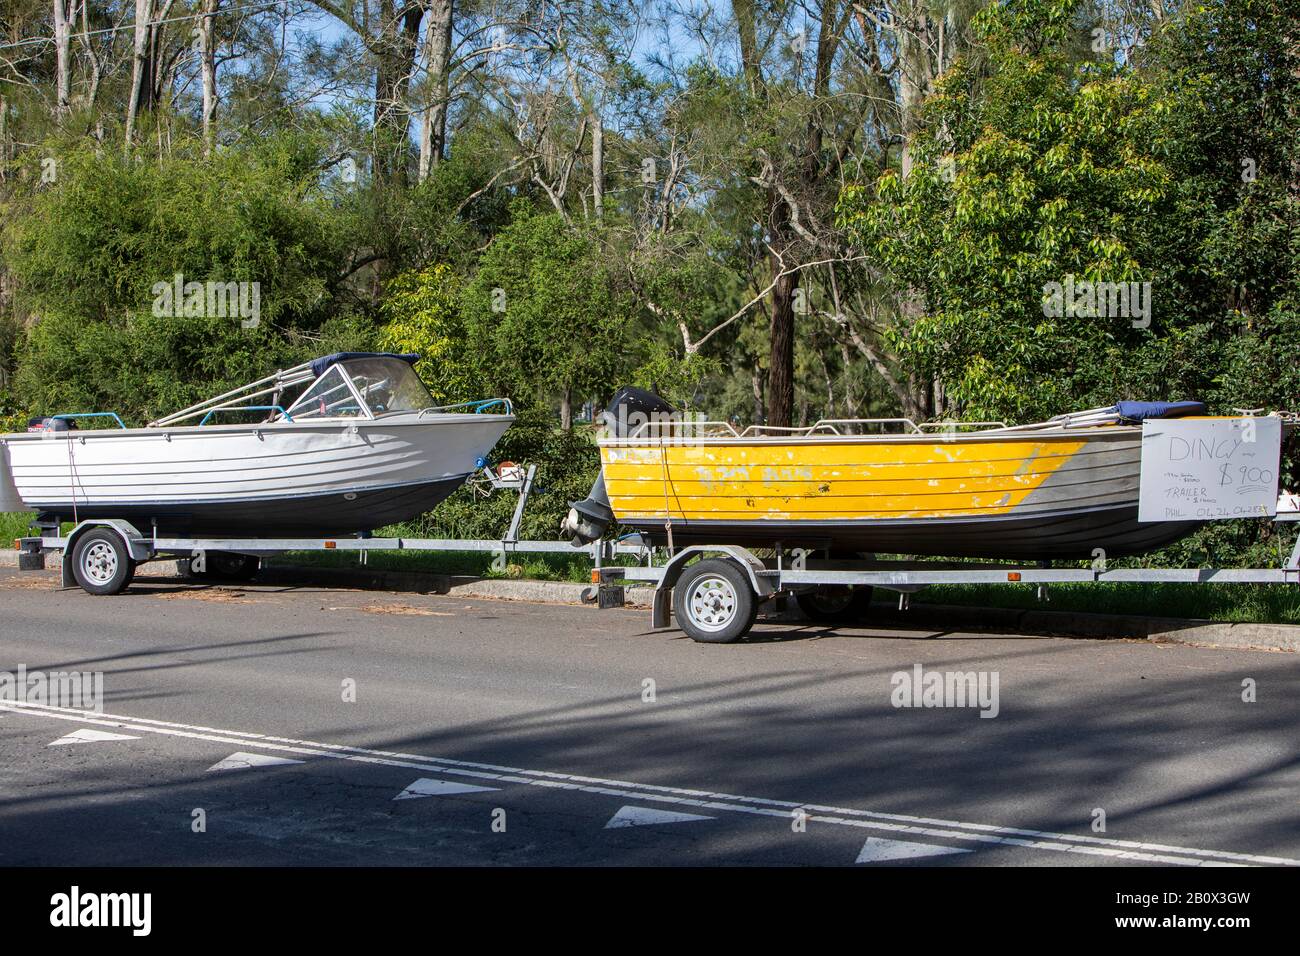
(545,315)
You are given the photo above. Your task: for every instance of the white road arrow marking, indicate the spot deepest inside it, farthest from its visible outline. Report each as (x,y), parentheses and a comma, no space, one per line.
(647,816)
(982,834)
(246,761)
(428,787)
(878,849)
(90,737)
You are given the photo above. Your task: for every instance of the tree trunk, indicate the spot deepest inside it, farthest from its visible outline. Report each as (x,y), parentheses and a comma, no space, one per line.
(394,51)
(756,383)
(780,369)
(4,138)
(62,59)
(141,91)
(914,74)
(437,60)
(88,50)
(208,58)
(598,163)
(566,408)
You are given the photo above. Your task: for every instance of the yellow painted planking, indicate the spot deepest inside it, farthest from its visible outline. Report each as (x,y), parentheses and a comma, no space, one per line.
(830,481)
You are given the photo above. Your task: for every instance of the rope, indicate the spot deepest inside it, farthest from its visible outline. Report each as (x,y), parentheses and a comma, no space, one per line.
(668,515)
(72,473)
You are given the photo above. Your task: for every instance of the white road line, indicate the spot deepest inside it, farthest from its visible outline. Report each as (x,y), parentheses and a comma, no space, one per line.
(88,736)
(650,816)
(878,850)
(428,787)
(988,834)
(246,761)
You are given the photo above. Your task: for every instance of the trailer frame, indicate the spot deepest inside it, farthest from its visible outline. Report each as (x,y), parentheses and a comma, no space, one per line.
(126,546)
(796,571)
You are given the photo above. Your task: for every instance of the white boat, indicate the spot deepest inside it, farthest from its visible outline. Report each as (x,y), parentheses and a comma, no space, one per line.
(346,443)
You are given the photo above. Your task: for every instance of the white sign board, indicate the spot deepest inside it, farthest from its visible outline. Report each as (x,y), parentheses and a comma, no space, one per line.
(1209,469)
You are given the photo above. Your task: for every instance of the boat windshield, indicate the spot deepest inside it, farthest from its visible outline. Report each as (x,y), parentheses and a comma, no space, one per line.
(388,385)
(383,385)
(330,396)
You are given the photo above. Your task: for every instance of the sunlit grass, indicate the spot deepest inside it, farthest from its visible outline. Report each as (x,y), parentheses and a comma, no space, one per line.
(13,524)
(537,567)
(1257,603)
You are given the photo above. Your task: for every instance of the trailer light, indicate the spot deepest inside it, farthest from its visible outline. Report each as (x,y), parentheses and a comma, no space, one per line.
(331,545)
(595,575)
(1013,575)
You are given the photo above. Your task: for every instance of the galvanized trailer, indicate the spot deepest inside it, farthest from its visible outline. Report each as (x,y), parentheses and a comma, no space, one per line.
(714,592)
(101,555)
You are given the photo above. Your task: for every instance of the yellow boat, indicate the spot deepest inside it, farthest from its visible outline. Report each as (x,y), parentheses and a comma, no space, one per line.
(1056,489)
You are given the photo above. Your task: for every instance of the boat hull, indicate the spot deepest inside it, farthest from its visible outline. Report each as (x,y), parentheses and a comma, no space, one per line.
(1054,494)
(279,479)
(300,516)
(1116,532)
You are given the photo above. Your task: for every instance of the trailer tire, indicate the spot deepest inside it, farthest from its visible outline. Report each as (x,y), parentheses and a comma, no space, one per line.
(835,603)
(714,602)
(231,566)
(101,562)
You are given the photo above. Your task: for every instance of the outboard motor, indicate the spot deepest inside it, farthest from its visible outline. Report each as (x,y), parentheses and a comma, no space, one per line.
(50,424)
(630,408)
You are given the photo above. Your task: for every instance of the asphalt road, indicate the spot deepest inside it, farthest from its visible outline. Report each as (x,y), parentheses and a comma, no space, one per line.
(528,734)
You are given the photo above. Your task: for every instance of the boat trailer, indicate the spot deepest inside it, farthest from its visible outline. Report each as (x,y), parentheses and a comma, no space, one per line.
(100,555)
(714,592)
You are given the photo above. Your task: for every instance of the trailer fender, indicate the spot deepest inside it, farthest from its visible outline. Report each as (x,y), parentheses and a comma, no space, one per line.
(136,544)
(753,567)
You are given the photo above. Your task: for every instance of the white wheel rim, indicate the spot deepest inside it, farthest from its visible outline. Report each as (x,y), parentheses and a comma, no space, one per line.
(99,562)
(711,604)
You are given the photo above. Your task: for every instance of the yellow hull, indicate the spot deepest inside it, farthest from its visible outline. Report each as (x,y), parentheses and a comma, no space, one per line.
(1049,494)
(824,480)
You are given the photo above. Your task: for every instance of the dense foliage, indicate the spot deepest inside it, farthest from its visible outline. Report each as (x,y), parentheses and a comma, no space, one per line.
(777,212)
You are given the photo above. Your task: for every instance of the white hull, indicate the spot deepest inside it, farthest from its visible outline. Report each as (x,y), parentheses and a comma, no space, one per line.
(249,470)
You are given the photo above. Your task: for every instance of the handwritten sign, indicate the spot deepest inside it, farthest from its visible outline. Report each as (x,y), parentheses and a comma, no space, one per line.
(1209,469)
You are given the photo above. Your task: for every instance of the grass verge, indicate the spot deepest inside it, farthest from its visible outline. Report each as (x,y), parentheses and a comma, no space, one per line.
(1235,603)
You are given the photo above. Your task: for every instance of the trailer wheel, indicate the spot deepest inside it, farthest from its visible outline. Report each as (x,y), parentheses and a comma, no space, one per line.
(835,603)
(714,602)
(230,566)
(101,562)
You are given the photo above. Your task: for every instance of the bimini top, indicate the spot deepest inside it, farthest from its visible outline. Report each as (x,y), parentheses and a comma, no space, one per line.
(318,366)
(1141,411)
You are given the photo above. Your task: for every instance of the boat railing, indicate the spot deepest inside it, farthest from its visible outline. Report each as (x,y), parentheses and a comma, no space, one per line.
(478,406)
(1108,415)
(247,408)
(834,425)
(946,426)
(684,427)
(69,416)
(270,385)
(681,428)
